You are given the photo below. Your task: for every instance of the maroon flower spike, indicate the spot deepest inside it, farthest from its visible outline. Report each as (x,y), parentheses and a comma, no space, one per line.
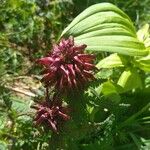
(67,66)
(51,114)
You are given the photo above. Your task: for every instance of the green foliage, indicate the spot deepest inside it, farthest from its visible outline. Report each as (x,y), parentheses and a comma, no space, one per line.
(113,61)
(112,33)
(113,113)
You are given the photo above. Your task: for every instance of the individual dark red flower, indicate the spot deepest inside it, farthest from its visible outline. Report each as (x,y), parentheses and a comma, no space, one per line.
(67,66)
(51,114)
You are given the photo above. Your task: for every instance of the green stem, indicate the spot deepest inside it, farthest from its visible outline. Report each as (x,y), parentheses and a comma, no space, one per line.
(57,142)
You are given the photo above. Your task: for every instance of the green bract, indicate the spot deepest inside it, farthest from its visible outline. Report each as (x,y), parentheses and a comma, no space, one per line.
(104,27)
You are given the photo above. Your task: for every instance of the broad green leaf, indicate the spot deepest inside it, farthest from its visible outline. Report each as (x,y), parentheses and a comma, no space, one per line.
(130,79)
(112,61)
(104,73)
(112,90)
(104,27)
(147,42)
(144,63)
(110,87)
(143,33)
(97,8)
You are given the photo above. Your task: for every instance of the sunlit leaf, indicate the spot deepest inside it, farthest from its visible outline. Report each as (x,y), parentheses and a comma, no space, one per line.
(104,27)
(112,90)
(104,73)
(112,61)
(130,79)
(144,62)
(143,33)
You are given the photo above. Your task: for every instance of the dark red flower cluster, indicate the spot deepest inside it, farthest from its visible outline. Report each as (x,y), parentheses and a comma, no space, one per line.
(67,66)
(51,114)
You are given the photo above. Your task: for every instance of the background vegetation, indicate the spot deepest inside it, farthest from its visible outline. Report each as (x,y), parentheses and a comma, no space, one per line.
(28,28)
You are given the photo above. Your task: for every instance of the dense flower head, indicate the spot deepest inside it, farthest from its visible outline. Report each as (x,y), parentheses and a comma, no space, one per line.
(67,66)
(51,114)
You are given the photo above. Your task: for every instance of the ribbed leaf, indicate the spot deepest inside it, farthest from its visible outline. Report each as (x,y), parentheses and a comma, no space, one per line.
(114,60)
(144,36)
(104,27)
(144,63)
(143,33)
(97,8)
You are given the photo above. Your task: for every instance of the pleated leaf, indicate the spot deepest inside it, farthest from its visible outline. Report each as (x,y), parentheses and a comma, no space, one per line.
(112,61)
(104,27)
(143,33)
(144,63)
